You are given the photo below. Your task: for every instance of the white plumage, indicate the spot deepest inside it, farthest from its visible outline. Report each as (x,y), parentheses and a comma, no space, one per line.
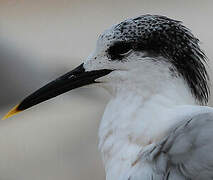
(153,128)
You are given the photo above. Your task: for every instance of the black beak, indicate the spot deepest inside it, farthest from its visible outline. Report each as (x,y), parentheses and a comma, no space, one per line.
(71,80)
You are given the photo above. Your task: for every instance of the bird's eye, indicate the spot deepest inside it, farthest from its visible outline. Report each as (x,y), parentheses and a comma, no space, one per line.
(119,50)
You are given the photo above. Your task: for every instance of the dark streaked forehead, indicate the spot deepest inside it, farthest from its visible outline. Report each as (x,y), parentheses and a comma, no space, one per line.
(141,28)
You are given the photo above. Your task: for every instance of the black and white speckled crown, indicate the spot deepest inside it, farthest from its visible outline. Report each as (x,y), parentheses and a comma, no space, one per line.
(168,38)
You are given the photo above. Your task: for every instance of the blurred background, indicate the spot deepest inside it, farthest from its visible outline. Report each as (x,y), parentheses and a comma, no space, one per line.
(42,39)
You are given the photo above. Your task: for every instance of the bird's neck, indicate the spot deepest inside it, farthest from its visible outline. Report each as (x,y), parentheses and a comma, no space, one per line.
(133,120)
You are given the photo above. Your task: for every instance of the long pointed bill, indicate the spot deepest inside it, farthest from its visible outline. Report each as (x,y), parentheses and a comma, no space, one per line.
(71,80)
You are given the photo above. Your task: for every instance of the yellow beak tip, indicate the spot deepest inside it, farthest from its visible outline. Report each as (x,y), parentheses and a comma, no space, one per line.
(12,112)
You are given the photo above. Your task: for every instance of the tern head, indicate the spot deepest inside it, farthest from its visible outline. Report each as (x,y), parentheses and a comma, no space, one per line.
(139,53)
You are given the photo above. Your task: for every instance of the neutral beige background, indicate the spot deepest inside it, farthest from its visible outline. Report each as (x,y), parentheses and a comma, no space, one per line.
(41,39)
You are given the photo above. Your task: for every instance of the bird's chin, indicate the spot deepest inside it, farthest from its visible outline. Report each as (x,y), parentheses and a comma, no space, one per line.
(109,86)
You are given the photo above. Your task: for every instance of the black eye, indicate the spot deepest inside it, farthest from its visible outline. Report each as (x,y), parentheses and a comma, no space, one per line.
(119,49)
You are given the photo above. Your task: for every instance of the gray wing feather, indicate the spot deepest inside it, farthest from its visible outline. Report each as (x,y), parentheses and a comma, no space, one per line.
(187,152)
(190,147)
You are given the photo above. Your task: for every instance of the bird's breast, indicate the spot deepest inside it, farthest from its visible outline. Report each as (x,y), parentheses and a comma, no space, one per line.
(125,130)
(129,126)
